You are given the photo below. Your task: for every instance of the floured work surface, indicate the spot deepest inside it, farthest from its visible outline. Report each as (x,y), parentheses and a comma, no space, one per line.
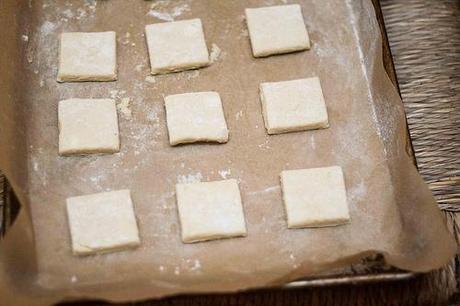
(391,210)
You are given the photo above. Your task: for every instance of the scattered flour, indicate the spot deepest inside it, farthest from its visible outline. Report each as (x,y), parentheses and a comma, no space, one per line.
(293,259)
(150,79)
(29,56)
(124,108)
(47,28)
(25,38)
(113,93)
(152,116)
(67,13)
(239,115)
(190,178)
(357,192)
(177,270)
(125,39)
(165,198)
(35,166)
(91,5)
(116,93)
(191,74)
(158,10)
(215,53)
(225,173)
(81,13)
(266,190)
(313,142)
(196,265)
(244,33)
(97,178)
(265,144)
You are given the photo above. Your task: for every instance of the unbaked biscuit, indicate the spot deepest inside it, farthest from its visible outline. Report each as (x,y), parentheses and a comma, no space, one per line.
(277,30)
(196,116)
(88,126)
(87,57)
(295,105)
(102,222)
(176,46)
(315,197)
(210,210)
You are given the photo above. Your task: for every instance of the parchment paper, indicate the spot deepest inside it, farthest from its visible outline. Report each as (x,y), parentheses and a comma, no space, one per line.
(392,210)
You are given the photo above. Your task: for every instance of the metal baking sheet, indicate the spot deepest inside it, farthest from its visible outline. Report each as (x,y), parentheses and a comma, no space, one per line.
(367,138)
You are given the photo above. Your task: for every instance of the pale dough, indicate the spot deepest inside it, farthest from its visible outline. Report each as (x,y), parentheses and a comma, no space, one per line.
(210,210)
(87,57)
(315,197)
(176,46)
(88,126)
(277,30)
(295,105)
(193,117)
(102,222)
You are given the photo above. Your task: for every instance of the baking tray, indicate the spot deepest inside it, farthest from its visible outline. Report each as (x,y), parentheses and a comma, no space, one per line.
(369,270)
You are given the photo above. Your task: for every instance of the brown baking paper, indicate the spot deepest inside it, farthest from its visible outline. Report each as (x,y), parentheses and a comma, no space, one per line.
(392,210)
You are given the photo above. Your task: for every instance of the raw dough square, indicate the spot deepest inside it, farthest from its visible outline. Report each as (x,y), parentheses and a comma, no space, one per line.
(88,126)
(87,57)
(315,197)
(176,46)
(291,106)
(197,116)
(277,30)
(210,210)
(102,222)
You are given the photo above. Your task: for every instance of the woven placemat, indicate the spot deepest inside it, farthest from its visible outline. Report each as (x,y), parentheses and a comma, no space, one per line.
(424,37)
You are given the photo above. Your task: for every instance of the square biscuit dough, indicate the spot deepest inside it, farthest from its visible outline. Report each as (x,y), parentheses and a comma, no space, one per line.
(315,197)
(277,30)
(194,117)
(210,210)
(88,126)
(87,57)
(176,46)
(291,106)
(102,222)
